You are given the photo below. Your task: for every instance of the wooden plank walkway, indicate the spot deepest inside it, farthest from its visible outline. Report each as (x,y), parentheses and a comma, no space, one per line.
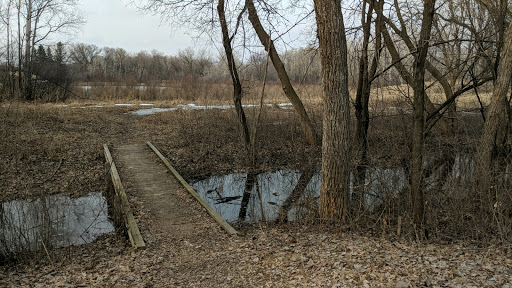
(193,193)
(155,184)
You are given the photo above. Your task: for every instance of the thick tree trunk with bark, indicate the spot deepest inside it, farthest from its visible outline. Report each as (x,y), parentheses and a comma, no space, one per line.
(265,40)
(334,191)
(494,138)
(417,198)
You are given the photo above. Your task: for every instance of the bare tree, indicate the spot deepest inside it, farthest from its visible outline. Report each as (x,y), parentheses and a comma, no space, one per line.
(84,56)
(366,76)
(303,65)
(417,198)
(287,86)
(6,18)
(458,63)
(237,85)
(198,14)
(37,20)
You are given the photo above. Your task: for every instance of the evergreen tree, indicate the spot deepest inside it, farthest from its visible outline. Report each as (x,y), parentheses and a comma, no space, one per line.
(60,54)
(49,54)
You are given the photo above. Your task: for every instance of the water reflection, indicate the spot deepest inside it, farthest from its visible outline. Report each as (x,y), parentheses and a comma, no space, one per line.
(56,221)
(225,194)
(271,192)
(268,194)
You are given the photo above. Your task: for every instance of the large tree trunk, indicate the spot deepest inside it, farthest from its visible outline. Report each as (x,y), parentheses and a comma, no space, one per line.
(267,42)
(334,191)
(495,134)
(417,198)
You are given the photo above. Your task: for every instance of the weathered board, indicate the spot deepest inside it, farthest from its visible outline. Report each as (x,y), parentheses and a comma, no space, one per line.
(121,202)
(194,194)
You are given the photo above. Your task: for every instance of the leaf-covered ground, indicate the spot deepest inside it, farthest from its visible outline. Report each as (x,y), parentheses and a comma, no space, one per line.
(266,256)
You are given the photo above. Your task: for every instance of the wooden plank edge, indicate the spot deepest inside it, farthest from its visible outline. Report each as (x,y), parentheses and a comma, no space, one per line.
(131,225)
(194,194)
(134,234)
(108,156)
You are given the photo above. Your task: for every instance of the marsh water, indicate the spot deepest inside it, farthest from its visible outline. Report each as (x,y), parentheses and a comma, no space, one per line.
(271,190)
(55,221)
(225,193)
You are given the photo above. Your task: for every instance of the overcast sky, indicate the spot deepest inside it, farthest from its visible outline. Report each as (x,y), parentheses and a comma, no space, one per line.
(116,24)
(119,24)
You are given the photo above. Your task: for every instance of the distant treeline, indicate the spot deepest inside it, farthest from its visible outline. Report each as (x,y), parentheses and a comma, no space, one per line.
(89,63)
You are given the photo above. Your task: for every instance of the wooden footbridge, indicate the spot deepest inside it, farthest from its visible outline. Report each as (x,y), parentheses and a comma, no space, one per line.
(156,182)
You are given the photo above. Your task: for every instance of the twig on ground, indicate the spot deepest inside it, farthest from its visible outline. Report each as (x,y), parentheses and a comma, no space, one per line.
(54,172)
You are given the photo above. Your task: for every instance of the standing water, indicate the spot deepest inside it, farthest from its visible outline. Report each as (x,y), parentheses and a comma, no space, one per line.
(271,190)
(56,221)
(237,198)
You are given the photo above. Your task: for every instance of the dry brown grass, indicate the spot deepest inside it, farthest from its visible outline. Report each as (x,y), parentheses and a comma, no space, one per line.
(205,93)
(199,92)
(35,138)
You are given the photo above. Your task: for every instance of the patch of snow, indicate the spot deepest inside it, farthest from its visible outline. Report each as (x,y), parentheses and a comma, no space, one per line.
(149,111)
(202,107)
(191,106)
(285,106)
